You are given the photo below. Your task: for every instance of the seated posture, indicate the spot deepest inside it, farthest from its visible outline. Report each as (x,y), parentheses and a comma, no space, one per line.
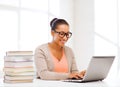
(54,60)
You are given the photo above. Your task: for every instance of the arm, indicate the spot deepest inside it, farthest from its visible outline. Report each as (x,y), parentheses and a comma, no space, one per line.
(73,64)
(42,68)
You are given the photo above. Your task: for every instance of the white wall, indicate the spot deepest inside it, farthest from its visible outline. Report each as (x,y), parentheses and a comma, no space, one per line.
(83,32)
(67,12)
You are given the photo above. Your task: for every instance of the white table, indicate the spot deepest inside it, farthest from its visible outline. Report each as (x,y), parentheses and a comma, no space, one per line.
(42,83)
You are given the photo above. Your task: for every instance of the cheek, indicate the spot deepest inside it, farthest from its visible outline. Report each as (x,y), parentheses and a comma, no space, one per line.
(55,38)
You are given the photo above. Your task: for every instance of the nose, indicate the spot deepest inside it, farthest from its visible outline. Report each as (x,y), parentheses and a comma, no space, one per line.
(65,37)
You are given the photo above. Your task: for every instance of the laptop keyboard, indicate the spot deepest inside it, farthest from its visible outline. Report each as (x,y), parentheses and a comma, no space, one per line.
(73,80)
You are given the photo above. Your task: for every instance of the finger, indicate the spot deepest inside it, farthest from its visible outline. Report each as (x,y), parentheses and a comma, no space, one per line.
(75,77)
(83,72)
(79,76)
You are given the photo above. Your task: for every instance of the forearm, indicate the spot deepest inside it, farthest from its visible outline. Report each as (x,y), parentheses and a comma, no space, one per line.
(74,68)
(49,75)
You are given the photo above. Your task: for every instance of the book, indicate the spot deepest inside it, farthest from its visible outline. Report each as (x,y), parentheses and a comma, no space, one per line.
(19,69)
(19,53)
(18,58)
(17,81)
(7,77)
(20,73)
(18,64)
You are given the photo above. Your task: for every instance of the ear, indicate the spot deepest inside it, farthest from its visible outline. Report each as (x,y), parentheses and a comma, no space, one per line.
(52,32)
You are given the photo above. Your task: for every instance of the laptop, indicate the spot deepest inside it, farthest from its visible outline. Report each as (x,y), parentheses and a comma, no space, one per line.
(97,70)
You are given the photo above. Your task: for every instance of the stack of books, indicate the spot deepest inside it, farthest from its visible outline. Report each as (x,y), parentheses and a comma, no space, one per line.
(18,67)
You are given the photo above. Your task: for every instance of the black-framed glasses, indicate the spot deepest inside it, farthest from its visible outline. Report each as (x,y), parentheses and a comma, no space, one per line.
(62,34)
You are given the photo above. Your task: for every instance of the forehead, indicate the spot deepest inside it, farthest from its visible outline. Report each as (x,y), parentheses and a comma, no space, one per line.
(63,27)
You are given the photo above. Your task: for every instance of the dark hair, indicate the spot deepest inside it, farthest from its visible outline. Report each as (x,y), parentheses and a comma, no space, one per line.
(55,22)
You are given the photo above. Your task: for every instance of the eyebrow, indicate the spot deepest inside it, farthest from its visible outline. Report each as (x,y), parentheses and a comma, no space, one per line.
(63,31)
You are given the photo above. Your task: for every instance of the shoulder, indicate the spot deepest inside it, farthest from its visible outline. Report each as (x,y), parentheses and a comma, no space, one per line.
(42,47)
(68,50)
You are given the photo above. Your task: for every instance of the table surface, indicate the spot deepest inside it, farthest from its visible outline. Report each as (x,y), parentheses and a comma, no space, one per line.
(44,83)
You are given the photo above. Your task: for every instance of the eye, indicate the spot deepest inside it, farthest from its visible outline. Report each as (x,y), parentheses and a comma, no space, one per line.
(62,33)
(67,34)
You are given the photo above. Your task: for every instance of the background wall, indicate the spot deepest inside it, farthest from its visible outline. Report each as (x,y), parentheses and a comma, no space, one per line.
(83,42)
(67,12)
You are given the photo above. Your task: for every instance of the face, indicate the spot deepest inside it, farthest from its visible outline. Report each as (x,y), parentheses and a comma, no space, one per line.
(60,35)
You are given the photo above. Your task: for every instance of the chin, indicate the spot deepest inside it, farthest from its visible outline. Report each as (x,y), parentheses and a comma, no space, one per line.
(62,45)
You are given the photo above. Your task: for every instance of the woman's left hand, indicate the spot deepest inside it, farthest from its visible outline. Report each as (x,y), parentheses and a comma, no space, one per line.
(82,73)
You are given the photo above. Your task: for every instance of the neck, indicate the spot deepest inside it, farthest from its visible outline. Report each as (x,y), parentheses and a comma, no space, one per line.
(56,46)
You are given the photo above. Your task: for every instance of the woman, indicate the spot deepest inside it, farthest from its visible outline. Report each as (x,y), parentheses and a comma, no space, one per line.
(54,60)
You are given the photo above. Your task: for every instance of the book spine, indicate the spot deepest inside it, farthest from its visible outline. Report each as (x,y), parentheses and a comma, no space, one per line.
(17,64)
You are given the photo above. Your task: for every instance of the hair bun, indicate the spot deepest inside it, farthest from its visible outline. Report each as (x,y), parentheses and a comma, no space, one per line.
(52,22)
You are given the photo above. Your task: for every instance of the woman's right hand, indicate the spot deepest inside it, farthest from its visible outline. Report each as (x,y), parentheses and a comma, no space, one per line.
(75,76)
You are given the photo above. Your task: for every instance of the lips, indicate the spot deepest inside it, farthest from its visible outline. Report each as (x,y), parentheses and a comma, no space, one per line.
(63,42)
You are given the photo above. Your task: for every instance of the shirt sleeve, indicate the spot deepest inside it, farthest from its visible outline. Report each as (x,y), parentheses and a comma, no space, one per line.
(42,68)
(73,64)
